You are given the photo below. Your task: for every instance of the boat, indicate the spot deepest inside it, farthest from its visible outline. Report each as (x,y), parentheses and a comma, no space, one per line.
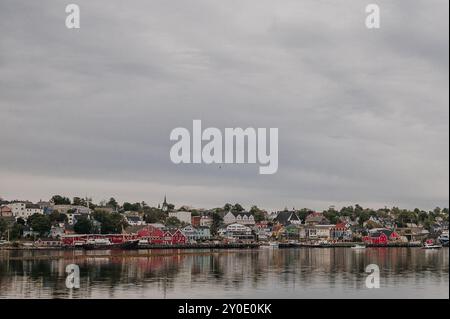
(429,244)
(324,243)
(443,238)
(358,246)
(106,244)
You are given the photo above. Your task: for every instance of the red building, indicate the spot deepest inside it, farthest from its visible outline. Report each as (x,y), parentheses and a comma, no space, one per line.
(156,236)
(152,234)
(381,237)
(174,237)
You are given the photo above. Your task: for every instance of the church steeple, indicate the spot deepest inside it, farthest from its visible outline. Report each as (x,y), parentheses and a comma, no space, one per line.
(165,206)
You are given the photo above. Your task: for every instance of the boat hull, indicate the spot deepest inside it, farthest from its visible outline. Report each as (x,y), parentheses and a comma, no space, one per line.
(126,245)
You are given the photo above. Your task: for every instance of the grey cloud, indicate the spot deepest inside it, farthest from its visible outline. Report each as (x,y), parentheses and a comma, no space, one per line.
(363,115)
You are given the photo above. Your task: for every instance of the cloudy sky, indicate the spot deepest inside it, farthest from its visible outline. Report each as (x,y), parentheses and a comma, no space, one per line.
(362,114)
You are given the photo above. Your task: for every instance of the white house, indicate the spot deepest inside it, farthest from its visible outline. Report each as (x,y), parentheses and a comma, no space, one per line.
(182,216)
(239,231)
(135,221)
(240,218)
(24,210)
(319,231)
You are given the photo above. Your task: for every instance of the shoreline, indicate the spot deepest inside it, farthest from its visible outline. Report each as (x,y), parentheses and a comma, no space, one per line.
(222,246)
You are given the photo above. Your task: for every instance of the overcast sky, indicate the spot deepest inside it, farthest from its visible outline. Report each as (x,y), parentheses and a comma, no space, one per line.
(362,114)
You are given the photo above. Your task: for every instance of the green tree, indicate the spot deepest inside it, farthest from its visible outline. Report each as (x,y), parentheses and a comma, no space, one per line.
(131,207)
(40,223)
(3,227)
(258,214)
(348,211)
(112,223)
(57,217)
(79,201)
(237,208)
(303,213)
(154,215)
(195,213)
(16,231)
(112,202)
(60,200)
(173,221)
(217,220)
(83,225)
(363,217)
(332,216)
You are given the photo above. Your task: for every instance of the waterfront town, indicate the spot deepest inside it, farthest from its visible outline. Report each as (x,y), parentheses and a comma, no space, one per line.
(65,222)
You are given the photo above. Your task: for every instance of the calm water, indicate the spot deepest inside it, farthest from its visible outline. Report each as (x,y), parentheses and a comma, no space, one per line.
(258,273)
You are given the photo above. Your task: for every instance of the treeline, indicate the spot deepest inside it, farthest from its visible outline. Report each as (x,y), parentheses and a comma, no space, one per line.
(399,216)
(113,220)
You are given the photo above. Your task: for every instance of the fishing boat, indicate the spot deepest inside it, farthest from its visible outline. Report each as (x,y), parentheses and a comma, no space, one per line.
(358,246)
(106,244)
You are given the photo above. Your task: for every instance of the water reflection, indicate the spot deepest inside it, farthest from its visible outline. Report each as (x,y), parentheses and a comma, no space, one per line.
(263,273)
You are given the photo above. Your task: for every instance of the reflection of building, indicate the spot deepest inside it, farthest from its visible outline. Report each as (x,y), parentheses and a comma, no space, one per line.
(239,218)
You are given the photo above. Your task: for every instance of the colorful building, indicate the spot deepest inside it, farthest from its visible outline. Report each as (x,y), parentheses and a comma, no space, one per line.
(381,236)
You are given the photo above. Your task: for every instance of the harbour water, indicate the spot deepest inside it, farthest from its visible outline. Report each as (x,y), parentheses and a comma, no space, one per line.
(240,273)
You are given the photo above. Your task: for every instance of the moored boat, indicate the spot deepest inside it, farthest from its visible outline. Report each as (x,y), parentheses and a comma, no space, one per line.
(430,244)
(99,245)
